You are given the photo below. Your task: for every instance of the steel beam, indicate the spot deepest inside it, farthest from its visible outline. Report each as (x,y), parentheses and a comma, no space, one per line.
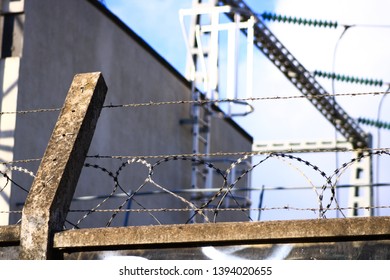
(299,76)
(301,146)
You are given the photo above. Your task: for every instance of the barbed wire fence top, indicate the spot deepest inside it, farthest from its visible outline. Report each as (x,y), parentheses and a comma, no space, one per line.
(137,190)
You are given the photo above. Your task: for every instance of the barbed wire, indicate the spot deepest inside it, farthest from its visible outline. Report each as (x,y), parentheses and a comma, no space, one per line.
(20,161)
(206,155)
(247,209)
(249,99)
(207,101)
(312,209)
(8,179)
(144,210)
(226,189)
(213,201)
(23,112)
(230,154)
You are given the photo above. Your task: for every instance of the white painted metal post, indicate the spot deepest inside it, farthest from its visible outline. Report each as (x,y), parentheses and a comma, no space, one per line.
(9,71)
(360,195)
(249,58)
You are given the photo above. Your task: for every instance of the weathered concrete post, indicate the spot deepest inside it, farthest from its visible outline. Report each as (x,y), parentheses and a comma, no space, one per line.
(51,193)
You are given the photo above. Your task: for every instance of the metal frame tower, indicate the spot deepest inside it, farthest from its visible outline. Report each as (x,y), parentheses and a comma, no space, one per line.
(261,37)
(202,28)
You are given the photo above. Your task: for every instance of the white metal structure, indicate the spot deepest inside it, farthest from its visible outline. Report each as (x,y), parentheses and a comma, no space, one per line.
(301,146)
(202,26)
(360,195)
(9,72)
(202,36)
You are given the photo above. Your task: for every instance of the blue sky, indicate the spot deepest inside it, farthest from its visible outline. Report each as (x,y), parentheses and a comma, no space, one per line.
(362,52)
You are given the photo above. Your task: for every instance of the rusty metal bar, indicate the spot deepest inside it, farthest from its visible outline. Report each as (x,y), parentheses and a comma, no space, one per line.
(51,193)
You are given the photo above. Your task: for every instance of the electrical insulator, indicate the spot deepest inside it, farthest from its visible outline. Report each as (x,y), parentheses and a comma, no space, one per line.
(299,21)
(374,123)
(348,79)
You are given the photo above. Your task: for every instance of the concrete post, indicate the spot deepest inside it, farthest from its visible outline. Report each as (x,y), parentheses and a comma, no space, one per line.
(48,202)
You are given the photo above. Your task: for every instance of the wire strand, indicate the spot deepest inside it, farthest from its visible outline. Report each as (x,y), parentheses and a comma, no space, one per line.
(202,102)
(227,154)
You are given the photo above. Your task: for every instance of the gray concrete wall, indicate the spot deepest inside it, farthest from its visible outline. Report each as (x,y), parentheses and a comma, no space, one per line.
(62,38)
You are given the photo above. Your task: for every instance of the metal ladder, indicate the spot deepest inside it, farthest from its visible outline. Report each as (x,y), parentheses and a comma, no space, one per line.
(202,36)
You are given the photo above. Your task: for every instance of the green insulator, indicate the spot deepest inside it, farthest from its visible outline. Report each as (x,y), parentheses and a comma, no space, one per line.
(295,20)
(375,123)
(348,79)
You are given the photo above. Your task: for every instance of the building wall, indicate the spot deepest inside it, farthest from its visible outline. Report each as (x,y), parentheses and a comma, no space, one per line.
(62,38)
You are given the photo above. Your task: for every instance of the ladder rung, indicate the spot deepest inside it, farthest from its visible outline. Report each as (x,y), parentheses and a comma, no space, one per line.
(197,51)
(202,121)
(201,174)
(202,139)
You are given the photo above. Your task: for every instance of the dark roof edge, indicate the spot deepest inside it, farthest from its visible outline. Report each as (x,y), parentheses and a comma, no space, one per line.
(157,56)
